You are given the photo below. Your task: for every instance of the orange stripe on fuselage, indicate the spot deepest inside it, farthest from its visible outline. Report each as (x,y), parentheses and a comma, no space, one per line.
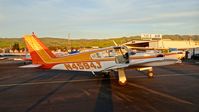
(142,57)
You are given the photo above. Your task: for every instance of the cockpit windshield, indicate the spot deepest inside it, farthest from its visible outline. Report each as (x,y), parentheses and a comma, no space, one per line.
(120,50)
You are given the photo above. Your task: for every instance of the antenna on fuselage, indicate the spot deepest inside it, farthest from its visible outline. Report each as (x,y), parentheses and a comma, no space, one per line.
(68,42)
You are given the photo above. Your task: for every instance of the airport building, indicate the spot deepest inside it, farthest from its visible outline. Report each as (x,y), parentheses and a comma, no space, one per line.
(156,41)
(180,44)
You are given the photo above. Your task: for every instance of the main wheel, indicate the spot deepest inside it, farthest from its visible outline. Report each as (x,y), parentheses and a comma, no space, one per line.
(150,74)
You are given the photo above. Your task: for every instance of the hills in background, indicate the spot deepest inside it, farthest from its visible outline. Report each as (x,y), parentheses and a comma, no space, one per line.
(60,43)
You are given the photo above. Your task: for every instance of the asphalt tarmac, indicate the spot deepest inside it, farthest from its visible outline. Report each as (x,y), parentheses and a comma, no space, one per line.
(173,89)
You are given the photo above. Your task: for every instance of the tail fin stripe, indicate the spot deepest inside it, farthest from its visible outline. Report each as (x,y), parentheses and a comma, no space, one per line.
(41,52)
(38,49)
(42,55)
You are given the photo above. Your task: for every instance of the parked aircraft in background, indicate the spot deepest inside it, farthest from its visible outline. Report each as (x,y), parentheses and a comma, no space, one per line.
(116,58)
(160,52)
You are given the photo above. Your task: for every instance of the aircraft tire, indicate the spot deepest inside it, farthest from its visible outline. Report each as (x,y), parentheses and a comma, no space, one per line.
(150,75)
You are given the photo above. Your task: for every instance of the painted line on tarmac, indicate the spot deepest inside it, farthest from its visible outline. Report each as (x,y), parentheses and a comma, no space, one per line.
(85,80)
(164,75)
(2,78)
(160,93)
(45,82)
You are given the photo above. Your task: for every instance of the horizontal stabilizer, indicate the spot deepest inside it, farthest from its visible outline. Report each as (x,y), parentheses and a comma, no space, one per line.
(31,66)
(2,58)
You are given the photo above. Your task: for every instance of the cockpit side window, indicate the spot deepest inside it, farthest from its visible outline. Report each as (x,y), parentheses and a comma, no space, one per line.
(111,53)
(103,54)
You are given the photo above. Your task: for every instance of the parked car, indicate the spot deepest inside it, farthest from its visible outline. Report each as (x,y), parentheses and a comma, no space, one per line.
(195,56)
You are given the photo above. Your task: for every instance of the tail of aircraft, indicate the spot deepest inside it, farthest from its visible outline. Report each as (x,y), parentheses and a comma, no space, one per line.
(38,51)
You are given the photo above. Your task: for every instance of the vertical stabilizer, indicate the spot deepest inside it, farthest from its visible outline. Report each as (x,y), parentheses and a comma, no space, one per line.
(38,51)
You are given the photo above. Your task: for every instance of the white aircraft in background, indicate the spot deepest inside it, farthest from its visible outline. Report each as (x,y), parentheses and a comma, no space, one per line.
(117,58)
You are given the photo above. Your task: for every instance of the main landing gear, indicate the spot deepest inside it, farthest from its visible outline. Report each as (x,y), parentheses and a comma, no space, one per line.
(150,73)
(122,76)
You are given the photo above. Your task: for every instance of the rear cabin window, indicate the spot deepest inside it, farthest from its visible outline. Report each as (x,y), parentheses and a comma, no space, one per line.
(103,54)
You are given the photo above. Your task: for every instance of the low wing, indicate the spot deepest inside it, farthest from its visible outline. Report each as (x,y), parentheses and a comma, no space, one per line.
(142,63)
(160,61)
(114,67)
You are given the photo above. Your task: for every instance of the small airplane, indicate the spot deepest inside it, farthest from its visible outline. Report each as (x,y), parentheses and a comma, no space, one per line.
(166,52)
(115,58)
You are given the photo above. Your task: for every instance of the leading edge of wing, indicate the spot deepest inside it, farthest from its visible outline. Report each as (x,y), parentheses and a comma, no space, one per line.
(160,61)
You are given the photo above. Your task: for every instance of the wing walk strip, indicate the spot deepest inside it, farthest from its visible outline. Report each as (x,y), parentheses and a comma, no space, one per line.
(85,80)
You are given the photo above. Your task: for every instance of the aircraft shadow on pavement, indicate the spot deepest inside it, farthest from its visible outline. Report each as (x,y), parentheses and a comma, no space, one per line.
(49,94)
(104,101)
(38,75)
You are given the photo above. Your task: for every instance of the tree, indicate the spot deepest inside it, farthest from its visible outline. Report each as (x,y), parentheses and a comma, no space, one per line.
(15,46)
